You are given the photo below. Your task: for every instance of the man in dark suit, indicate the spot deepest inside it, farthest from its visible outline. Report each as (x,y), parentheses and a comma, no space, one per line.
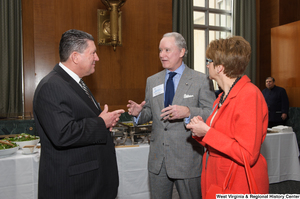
(174,158)
(277,101)
(77,152)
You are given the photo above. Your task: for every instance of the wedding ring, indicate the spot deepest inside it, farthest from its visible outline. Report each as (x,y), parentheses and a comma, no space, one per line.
(170,116)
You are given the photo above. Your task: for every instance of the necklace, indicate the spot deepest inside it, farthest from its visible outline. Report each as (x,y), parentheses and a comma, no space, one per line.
(222,96)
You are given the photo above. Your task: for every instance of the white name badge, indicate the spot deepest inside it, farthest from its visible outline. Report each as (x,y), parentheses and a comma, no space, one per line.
(157,90)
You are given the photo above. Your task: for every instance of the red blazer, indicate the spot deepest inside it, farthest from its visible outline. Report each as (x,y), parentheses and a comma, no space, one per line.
(239,125)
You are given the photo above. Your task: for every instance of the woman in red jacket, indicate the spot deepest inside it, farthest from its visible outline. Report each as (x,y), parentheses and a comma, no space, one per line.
(238,123)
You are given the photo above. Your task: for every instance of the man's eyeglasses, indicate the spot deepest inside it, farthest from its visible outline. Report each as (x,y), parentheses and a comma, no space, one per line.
(208,61)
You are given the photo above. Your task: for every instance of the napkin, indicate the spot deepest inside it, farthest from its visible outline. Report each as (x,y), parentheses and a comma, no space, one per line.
(282,128)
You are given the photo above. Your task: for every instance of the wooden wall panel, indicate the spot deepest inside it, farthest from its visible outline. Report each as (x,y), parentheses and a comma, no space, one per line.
(270,14)
(268,18)
(120,75)
(285,59)
(289,11)
(131,64)
(28,54)
(44,34)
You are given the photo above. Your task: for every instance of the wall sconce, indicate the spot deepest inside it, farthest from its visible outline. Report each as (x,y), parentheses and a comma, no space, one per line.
(109,23)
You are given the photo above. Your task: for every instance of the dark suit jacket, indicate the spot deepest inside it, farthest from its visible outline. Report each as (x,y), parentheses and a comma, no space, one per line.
(77,152)
(277,101)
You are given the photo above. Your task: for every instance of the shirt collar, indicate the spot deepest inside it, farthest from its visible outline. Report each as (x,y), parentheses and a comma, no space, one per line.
(70,72)
(179,70)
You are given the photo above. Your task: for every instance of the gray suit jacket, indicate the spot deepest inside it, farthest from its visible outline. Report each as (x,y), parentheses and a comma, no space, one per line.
(170,140)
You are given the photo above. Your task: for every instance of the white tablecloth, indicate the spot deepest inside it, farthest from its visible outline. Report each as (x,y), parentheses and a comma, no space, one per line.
(19,173)
(280,150)
(19,176)
(282,154)
(133,172)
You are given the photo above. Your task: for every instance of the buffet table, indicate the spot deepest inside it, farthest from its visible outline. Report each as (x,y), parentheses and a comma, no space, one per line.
(19,173)
(133,172)
(282,154)
(19,176)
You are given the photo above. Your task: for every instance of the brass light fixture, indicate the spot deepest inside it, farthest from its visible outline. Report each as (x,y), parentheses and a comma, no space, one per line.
(109,23)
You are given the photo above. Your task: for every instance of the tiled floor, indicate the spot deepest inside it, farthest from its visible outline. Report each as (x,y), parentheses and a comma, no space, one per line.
(285,187)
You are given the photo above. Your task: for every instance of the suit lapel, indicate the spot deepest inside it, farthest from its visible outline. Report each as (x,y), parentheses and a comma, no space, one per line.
(161,98)
(77,88)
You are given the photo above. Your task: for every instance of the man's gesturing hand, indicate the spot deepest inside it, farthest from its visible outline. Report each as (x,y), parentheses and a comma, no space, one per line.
(110,118)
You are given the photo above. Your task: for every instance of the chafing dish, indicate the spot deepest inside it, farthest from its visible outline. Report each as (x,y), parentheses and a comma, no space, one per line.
(137,134)
(119,134)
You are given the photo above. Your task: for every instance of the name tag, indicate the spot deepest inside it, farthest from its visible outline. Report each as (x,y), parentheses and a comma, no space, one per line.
(157,90)
(187,96)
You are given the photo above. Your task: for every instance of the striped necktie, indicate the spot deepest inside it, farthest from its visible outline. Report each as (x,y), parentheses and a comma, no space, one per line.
(86,90)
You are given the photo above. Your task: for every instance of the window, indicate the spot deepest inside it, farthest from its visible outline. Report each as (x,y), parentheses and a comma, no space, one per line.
(212,20)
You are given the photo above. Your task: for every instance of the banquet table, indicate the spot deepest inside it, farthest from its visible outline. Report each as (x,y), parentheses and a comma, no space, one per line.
(133,173)
(19,173)
(282,154)
(19,176)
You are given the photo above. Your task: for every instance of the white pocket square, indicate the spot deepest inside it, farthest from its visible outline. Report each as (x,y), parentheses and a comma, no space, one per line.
(187,96)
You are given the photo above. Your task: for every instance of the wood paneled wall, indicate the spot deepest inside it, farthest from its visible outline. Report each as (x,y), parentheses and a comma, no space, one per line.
(270,14)
(120,75)
(285,61)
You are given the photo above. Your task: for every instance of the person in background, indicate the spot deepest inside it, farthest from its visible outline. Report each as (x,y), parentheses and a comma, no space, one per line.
(78,157)
(174,157)
(277,101)
(238,123)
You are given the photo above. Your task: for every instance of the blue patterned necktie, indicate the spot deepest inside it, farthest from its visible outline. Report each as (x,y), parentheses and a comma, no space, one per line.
(170,90)
(85,88)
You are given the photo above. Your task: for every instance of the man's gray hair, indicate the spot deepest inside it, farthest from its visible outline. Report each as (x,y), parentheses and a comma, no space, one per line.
(179,41)
(73,41)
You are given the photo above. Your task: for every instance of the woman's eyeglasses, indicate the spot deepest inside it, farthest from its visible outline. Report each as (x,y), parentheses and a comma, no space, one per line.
(208,61)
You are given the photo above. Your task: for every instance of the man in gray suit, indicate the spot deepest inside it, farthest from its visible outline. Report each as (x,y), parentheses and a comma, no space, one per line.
(174,156)
(78,158)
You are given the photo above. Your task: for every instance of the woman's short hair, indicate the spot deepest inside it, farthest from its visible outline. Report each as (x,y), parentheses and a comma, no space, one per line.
(73,40)
(233,53)
(179,41)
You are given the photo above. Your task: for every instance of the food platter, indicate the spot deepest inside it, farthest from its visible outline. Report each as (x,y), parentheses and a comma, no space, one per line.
(24,139)
(10,151)
(30,142)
